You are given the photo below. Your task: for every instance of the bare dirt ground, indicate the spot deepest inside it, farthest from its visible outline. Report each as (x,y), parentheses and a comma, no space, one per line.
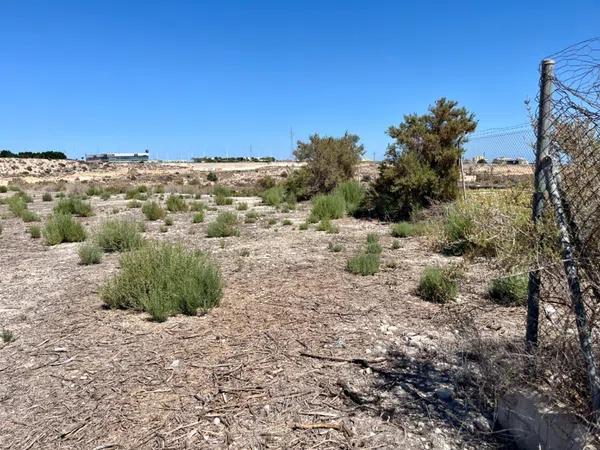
(299,354)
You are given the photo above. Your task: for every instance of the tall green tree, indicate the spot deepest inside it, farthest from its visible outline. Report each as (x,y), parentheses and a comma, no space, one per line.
(329,160)
(422,164)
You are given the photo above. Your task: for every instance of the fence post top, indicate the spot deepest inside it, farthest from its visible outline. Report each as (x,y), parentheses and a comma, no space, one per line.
(547,61)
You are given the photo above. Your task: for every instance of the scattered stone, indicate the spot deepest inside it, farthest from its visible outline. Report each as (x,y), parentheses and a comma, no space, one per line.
(444,394)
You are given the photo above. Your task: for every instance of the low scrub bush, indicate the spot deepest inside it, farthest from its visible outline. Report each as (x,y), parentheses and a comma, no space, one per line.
(198,217)
(34,231)
(243,206)
(89,253)
(176,203)
(353,194)
(251,217)
(16,204)
(212,176)
(169,221)
(134,204)
(266,182)
(62,227)
(303,226)
(47,197)
(364,264)
(137,193)
(335,248)
(329,206)
(273,196)
(197,206)
(153,211)
(223,226)
(3,189)
(118,236)
(395,245)
(509,291)
(438,285)
(287,222)
(163,228)
(406,229)
(222,191)
(73,205)
(163,280)
(220,200)
(373,246)
(29,216)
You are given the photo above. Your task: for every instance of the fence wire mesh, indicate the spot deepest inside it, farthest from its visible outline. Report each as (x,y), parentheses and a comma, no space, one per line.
(568,184)
(500,157)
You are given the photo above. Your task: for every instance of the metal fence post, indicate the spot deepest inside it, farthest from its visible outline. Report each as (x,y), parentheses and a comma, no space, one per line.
(542,150)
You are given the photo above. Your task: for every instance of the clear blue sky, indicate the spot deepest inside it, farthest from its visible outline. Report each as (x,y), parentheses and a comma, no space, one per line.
(189,78)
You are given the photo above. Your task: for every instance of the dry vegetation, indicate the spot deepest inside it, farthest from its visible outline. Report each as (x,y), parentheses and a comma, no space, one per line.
(301,351)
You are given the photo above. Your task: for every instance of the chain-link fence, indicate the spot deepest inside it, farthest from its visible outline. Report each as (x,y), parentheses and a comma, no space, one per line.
(499,157)
(564,289)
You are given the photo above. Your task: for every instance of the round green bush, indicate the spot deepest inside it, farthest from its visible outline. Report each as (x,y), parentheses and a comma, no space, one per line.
(165,279)
(437,285)
(509,291)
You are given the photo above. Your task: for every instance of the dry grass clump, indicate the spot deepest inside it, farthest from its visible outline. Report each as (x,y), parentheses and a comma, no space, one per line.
(406,229)
(134,204)
(335,248)
(242,206)
(198,217)
(251,217)
(118,236)
(163,280)
(62,227)
(223,226)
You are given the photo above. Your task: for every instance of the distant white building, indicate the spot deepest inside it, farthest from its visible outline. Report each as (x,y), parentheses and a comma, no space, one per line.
(118,157)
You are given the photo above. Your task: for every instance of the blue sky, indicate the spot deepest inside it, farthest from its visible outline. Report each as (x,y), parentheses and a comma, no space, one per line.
(187,78)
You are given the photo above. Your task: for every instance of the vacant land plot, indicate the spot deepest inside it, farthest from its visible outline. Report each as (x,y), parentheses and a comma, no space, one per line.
(300,353)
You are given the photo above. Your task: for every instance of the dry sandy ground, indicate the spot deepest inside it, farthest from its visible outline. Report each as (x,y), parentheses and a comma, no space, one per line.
(299,354)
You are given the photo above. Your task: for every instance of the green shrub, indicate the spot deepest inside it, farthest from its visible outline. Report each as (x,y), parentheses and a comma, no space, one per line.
(7,336)
(62,227)
(221,200)
(163,280)
(137,193)
(34,231)
(16,204)
(328,207)
(94,190)
(47,197)
(353,194)
(159,189)
(73,205)
(272,221)
(132,204)
(273,196)
(438,285)
(335,247)
(329,160)
(153,211)
(509,291)
(197,206)
(395,245)
(212,176)
(405,229)
(222,191)
(3,189)
(29,216)
(421,166)
(89,253)
(223,226)
(105,195)
(169,221)
(163,228)
(287,222)
(299,184)
(243,206)
(303,226)
(458,227)
(251,216)
(364,264)
(373,246)
(118,236)
(176,203)
(198,217)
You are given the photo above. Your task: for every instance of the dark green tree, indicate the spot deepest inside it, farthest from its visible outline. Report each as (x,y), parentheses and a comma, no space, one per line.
(329,160)
(422,164)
